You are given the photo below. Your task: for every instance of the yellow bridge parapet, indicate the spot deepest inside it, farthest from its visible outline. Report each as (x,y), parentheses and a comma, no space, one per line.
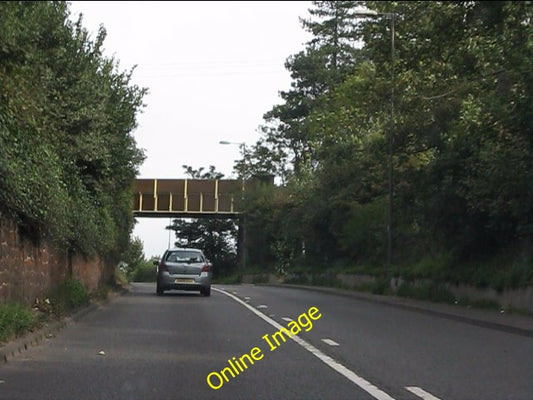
(192,198)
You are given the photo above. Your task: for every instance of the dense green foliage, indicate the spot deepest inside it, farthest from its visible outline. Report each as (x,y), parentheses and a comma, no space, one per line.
(134,265)
(67,297)
(67,156)
(14,320)
(145,272)
(132,258)
(462,141)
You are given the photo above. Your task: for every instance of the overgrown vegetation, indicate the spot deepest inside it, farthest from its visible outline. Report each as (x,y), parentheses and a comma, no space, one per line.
(68,159)
(70,296)
(67,156)
(134,266)
(432,292)
(15,319)
(462,148)
(145,272)
(67,297)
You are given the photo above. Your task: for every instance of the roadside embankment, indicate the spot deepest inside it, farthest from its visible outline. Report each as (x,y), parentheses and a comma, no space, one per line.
(512,299)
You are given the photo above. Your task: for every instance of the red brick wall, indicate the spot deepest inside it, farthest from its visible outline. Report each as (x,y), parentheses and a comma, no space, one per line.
(28,272)
(91,272)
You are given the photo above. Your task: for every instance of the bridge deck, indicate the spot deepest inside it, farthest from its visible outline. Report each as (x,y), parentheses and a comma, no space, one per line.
(193,198)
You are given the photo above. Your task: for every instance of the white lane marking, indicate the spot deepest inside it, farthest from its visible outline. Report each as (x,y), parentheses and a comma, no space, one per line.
(262,306)
(287,319)
(421,393)
(330,342)
(330,362)
(247,298)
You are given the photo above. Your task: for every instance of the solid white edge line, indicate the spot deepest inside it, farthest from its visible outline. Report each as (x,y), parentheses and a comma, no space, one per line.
(330,342)
(341,369)
(421,393)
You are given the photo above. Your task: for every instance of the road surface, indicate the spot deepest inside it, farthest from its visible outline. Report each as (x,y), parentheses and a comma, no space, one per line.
(141,346)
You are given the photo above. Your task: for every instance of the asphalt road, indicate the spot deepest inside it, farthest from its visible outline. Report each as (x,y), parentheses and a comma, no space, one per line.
(140,346)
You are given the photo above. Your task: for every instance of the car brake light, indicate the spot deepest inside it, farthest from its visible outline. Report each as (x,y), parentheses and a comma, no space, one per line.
(205,268)
(163,267)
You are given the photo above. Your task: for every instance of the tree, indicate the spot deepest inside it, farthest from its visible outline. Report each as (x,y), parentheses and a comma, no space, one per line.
(463,141)
(327,59)
(334,38)
(133,258)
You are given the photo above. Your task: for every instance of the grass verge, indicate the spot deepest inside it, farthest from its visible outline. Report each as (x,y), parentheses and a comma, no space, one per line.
(15,319)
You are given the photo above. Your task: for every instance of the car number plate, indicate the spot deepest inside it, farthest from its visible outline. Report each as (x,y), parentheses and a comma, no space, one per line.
(184,280)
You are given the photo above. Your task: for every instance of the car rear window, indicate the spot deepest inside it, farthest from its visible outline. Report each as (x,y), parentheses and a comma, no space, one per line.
(184,256)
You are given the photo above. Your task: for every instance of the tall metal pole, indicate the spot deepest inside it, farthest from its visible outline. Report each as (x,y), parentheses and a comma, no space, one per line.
(244,172)
(169,230)
(391,150)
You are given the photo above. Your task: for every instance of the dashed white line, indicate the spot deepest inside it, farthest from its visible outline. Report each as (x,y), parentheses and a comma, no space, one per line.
(330,362)
(330,342)
(287,319)
(421,393)
(260,306)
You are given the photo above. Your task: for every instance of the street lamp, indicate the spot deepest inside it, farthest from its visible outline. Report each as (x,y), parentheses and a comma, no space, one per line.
(392,17)
(226,142)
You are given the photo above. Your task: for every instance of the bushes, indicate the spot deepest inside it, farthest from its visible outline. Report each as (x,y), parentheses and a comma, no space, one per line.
(14,320)
(429,292)
(362,234)
(145,272)
(17,319)
(67,297)
(437,267)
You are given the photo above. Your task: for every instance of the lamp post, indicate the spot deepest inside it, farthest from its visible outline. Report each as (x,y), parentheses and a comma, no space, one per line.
(391,17)
(242,225)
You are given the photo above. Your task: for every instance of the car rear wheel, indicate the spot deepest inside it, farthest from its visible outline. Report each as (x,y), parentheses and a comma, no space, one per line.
(206,291)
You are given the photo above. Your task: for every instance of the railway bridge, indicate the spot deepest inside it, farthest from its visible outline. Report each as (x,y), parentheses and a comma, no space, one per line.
(189,198)
(196,198)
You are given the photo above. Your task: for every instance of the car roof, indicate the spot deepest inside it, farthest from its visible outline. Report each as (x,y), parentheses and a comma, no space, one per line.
(185,249)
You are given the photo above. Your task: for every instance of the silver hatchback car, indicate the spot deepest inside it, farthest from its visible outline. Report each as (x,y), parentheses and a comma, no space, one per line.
(184,269)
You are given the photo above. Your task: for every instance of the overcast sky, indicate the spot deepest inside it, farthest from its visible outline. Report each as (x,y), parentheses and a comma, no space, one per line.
(212,70)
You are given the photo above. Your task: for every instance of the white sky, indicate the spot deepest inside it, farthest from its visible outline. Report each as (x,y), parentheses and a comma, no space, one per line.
(212,68)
